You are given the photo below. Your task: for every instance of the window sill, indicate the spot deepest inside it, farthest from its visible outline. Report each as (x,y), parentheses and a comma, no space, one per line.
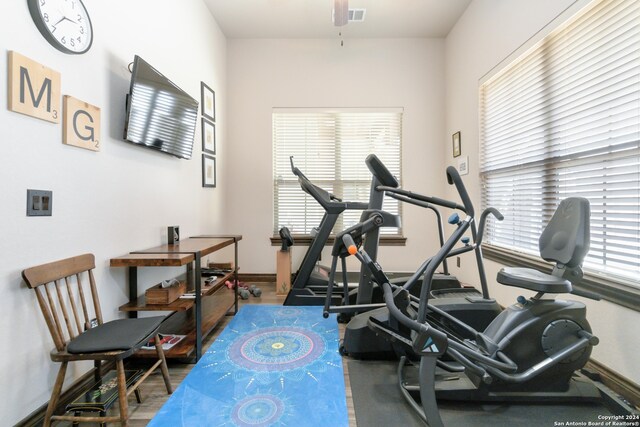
(305,240)
(609,289)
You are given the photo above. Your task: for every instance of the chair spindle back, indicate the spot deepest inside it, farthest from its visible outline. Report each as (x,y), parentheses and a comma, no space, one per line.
(58,306)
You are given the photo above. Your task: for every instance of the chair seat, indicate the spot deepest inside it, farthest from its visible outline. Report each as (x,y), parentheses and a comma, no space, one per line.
(534,280)
(117,335)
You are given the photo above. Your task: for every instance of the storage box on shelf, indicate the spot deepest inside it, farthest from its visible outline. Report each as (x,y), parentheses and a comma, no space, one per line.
(160,294)
(205,302)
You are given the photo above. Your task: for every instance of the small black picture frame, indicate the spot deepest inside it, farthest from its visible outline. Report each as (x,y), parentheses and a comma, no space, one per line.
(457,144)
(208,101)
(208,136)
(208,171)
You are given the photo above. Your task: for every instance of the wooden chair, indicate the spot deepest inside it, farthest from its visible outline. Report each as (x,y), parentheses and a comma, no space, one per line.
(60,287)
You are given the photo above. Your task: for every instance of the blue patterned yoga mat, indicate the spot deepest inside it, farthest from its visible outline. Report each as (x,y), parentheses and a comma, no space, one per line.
(271,366)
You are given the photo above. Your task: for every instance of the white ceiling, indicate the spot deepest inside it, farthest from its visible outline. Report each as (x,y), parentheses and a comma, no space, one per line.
(313,18)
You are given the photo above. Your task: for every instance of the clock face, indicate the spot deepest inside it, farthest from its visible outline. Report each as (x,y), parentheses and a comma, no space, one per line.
(64,23)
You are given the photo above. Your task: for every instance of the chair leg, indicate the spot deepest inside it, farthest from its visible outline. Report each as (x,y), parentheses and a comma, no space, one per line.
(97,370)
(163,365)
(55,394)
(138,395)
(122,393)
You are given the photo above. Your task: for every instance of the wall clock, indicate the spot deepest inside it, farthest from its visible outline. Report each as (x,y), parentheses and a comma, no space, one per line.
(65,24)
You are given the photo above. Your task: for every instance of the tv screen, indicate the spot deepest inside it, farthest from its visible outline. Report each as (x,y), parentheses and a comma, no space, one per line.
(159,114)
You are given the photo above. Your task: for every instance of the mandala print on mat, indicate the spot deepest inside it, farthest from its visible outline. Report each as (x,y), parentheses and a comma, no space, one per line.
(279,348)
(271,366)
(257,411)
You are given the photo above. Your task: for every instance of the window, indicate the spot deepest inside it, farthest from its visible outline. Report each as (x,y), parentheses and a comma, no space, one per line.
(564,120)
(330,147)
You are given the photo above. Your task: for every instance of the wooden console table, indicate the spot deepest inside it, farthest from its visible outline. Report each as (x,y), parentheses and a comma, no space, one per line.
(193,317)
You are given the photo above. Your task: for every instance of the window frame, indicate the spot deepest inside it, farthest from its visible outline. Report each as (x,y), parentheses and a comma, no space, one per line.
(394,239)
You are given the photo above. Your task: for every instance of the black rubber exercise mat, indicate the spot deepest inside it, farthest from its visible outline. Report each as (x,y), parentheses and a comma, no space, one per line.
(378,403)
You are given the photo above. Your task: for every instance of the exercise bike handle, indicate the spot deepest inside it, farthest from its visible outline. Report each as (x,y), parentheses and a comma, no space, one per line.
(453,177)
(483,219)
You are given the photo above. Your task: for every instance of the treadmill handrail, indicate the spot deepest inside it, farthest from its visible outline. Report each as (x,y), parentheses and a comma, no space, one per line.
(326,199)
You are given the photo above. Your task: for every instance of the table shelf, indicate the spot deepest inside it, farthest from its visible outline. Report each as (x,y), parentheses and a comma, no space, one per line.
(194,317)
(181,304)
(183,323)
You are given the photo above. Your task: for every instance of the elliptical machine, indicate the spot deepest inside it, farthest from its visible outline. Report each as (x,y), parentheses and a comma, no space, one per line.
(466,304)
(531,350)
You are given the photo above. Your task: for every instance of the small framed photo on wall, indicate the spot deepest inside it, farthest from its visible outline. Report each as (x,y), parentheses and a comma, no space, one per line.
(208,171)
(208,101)
(457,147)
(208,136)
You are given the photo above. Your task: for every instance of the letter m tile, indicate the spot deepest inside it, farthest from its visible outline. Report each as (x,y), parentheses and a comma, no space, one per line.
(34,89)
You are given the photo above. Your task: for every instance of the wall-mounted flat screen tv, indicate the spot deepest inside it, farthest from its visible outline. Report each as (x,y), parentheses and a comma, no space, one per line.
(159,114)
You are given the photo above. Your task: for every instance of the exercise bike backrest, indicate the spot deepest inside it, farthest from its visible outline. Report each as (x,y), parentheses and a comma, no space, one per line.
(565,239)
(565,242)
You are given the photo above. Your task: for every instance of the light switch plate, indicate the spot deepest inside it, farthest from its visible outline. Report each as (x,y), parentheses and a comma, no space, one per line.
(39,202)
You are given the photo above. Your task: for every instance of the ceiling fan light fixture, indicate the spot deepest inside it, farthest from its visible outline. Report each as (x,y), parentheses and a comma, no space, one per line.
(340,12)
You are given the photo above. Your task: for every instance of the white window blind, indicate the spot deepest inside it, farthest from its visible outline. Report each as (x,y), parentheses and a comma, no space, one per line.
(330,148)
(564,120)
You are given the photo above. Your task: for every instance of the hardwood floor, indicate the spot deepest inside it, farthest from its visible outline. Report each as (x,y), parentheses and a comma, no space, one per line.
(154,394)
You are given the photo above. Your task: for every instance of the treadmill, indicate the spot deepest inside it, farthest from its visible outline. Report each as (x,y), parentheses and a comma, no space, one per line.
(310,282)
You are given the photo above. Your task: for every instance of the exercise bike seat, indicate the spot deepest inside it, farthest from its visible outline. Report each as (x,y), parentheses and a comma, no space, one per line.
(534,280)
(564,241)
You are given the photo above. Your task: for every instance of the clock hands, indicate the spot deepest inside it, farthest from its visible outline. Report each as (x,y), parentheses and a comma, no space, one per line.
(64,18)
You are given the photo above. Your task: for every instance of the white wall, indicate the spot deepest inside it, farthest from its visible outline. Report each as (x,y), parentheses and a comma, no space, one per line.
(488,32)
(109,203)
(264,74)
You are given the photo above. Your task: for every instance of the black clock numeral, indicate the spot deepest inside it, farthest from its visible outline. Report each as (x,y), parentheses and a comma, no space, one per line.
(46,17)
(79,41)
(79,18)
(72,43)
(73,5)
(42,2)
(63,40)
(81,30)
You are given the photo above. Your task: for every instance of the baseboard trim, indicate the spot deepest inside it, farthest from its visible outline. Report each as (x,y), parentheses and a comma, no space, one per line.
(257,277)
(616,382)
(36,418)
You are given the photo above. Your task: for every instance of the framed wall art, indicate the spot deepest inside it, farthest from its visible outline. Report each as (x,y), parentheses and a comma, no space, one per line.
(208,136)
(457,147)
(208,171)
(208,101)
